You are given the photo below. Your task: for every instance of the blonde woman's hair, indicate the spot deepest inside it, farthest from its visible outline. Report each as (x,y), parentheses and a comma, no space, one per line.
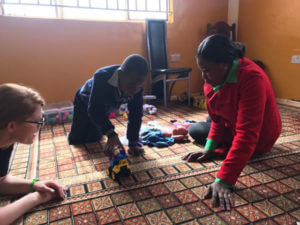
(17,103)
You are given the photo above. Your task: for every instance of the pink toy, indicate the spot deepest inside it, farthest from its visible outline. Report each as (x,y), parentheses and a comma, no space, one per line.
(185,124)
(178,133)
(65,116)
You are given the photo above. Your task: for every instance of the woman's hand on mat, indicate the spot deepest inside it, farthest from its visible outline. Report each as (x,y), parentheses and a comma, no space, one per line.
(198,156)
(42,197)
(136,150)
(50,187)
(220,196)
(111,144)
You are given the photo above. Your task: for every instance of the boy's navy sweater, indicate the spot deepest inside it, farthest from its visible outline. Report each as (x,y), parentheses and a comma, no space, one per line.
(101,98)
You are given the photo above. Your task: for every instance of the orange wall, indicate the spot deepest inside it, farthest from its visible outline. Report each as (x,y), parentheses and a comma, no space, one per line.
(270,29)
(58,56)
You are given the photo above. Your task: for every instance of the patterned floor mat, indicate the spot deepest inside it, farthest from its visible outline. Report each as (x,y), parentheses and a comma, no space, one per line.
(162,189)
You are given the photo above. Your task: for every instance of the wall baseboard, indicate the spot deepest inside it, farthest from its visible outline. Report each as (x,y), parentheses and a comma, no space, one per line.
(281,101)
(288,102)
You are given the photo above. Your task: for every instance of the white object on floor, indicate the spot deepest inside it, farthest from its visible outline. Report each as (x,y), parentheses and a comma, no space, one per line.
(124,140)
(154,124)
(149,97)
(150,109)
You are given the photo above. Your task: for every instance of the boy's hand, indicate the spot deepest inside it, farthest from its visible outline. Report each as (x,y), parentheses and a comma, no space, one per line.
(111,144)
(198,156)
(221,196)
(50,187)
(136,150)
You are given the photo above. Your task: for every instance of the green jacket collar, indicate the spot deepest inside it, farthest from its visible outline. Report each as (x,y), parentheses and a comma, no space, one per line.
(231,78)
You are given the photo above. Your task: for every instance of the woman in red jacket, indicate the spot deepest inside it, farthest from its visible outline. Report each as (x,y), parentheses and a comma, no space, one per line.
(242,107)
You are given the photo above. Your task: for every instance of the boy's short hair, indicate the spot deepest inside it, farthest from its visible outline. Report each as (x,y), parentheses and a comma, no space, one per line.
(135,64)
(17,102)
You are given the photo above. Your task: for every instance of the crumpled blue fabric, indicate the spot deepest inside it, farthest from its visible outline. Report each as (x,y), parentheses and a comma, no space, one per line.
(155,138)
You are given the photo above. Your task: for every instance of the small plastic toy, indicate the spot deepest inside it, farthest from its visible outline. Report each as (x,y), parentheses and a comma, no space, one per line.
(122,109)
(58,115)
(125,116)
(178,133)
(112,115)
(185,124)
(199,102)
(119,166)
(66,114)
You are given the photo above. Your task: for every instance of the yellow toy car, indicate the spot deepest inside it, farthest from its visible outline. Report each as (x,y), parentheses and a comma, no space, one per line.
(119,166)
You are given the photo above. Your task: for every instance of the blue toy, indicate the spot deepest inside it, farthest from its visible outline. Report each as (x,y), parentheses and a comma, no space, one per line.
(119,166)
(123,110)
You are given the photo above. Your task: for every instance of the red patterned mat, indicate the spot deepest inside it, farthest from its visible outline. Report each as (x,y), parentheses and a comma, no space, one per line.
(163,189)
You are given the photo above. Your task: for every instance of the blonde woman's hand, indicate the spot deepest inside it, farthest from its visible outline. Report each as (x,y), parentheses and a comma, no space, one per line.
(50,187)
(42,197)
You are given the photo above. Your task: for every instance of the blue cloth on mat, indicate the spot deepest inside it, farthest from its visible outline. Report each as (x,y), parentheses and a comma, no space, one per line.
(155,138)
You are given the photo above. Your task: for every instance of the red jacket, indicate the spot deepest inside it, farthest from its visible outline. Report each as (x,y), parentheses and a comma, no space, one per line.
(244,116)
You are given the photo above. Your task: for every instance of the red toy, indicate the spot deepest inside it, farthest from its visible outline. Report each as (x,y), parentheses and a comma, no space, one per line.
(112,115)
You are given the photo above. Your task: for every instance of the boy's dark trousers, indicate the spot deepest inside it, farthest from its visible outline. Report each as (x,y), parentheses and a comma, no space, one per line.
(83,130)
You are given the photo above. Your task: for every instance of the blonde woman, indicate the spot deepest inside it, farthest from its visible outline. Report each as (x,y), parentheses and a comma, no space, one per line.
(20,121)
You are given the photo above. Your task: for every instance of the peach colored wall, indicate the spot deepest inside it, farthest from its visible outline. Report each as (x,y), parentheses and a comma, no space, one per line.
(58,56)
(188,30)
(270,29)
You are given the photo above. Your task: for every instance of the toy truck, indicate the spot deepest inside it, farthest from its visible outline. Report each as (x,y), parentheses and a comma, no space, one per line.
(119,166)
